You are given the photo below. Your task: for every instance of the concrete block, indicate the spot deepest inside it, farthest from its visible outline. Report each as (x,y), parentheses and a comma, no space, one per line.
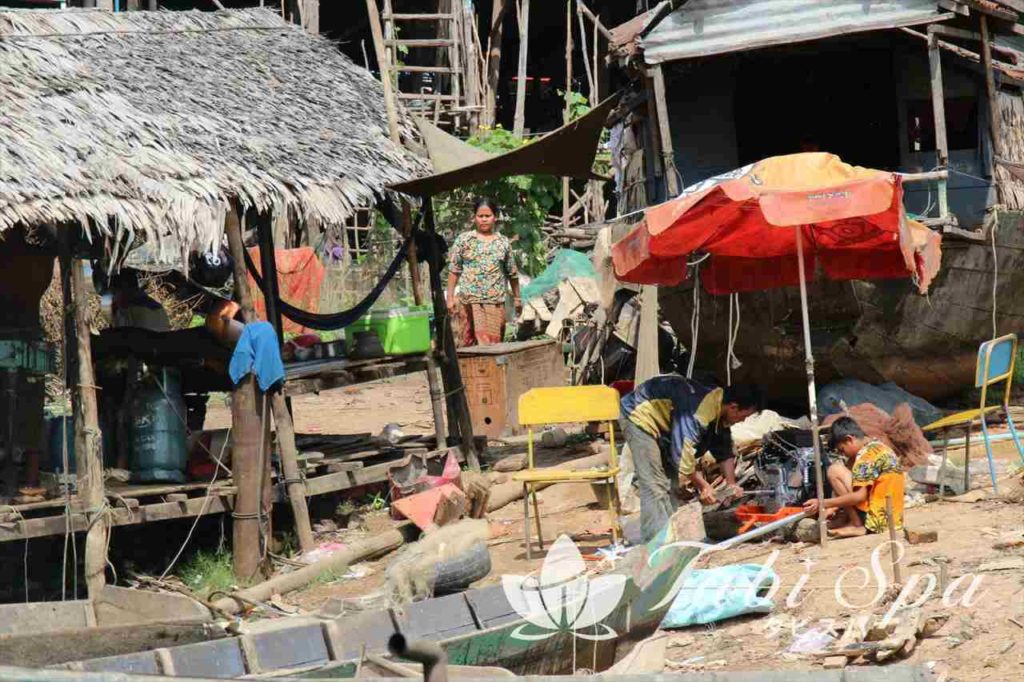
(438,618)
(294,647)
(141,663)
(221,658)
(490,606)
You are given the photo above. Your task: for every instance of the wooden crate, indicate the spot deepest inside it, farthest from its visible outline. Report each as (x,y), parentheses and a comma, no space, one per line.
(495,376)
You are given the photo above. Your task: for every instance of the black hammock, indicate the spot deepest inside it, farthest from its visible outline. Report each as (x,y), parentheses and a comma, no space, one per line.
(339,320)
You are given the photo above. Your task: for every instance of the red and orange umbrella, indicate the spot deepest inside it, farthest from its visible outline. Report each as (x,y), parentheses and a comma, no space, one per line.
(772,224)
(851,221)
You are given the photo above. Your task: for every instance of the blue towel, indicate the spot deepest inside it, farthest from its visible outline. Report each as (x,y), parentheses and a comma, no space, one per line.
(257,352)
(715,594)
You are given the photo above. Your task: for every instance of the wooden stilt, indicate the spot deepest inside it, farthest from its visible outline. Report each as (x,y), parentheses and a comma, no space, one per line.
(519,124)
(567,114)
(88,450)
(460,423)
(498,9)
(665,133)
(285,427)
(245,434)
(377,32)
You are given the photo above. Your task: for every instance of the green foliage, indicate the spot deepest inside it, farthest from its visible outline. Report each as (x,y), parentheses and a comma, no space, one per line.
(208,572)
(525,202)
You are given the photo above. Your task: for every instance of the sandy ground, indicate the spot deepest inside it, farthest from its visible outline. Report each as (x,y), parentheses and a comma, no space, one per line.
(980,641)
(365,408)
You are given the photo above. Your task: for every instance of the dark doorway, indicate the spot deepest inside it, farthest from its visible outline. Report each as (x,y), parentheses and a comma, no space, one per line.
(834,96)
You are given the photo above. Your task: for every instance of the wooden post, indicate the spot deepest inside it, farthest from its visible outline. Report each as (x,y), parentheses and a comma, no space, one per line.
(311,16)
(88,449)
(245,433)
(282,415)
(385,68)
(566,197)
(494,61)
(939,114)
(460,423)
(672,179)
(153,5)
(519,126)
(897,579)
(995,128)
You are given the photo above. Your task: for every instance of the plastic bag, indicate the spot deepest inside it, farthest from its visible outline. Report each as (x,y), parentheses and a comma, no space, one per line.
(717,594)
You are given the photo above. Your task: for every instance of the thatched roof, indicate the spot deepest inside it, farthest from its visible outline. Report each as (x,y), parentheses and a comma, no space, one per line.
(151,122)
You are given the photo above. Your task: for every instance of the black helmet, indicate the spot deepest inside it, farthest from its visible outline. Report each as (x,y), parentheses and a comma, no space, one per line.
(211,269)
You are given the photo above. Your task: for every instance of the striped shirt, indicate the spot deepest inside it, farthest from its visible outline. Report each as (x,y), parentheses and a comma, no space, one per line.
(675,406)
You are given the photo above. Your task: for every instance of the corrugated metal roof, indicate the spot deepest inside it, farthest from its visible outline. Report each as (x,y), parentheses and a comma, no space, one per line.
(707,27)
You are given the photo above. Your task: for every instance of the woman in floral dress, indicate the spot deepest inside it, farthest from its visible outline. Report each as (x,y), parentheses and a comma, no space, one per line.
(482,265)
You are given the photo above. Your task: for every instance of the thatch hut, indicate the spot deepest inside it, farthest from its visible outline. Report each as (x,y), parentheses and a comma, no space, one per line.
(163,129)
(148,124)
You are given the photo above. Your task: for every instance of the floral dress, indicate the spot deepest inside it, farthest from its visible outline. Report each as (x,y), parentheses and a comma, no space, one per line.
(484,267)
(878,469)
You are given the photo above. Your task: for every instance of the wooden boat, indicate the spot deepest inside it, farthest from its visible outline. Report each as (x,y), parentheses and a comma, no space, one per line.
(873,331)
(479,628)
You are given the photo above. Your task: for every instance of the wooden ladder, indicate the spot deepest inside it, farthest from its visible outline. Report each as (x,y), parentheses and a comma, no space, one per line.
(444,103)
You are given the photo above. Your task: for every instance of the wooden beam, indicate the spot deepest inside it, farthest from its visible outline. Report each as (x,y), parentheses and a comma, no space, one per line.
(566,198)
(396,16)
(938,97)
(665,132)
(88,450)
(424,42)
(519,125)
(955,6)
(460,423)
(985,10)
(951,32)
(1015,5)
(498,9)
(995,127)
(597,21)
(385,68)
(246,430)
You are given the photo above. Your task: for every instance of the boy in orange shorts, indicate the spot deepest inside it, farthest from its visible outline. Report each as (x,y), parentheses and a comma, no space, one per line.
(861,490)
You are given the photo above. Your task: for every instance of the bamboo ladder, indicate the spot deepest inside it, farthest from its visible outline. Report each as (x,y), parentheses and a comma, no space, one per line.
(447,104)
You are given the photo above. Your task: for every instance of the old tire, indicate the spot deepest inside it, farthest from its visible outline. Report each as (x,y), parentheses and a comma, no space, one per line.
(460,571)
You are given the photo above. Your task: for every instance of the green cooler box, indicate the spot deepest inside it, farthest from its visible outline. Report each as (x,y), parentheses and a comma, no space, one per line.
(402,331)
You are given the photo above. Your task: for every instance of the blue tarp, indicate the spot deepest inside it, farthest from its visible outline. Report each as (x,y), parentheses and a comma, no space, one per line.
(717,594)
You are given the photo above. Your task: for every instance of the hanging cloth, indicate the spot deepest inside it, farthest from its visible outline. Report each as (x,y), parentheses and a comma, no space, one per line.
(344,318)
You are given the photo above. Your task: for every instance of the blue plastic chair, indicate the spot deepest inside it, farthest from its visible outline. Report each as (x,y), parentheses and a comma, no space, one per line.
(996,362)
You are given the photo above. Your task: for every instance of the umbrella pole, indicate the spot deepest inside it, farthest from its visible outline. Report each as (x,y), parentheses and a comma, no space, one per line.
(812,392)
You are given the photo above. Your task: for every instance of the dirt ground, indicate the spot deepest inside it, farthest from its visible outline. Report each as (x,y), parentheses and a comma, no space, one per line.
(365,408)
(980,641)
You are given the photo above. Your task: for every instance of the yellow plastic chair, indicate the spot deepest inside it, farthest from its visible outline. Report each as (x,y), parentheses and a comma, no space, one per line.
(996,362)
(562,405)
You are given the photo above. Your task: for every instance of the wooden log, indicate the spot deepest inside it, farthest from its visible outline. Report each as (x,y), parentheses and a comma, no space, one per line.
(381,543)
(377,34)
(505,494)
(245,455)
(88,451)
(519,124)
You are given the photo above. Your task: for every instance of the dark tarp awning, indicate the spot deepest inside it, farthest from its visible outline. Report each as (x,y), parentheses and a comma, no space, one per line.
(566,152)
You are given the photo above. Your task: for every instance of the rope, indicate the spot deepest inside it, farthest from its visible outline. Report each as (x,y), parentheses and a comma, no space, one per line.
(731,361)
(694,323)
(995,270)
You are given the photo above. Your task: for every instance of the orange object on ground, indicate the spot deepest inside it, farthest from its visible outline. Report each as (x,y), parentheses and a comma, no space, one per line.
(753,514)
(299,276)
(852,221)
(421,508)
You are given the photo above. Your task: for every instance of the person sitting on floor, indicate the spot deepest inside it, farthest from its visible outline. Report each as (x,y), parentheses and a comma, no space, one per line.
(861,490)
